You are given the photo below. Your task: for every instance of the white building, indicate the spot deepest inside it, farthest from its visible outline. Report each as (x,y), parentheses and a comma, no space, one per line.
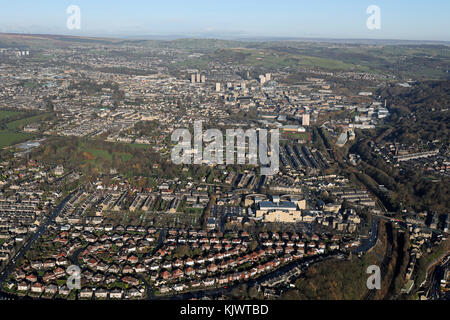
(305,120)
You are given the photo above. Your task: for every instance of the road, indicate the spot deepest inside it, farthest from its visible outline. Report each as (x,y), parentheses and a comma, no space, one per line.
(148,287)
(31,240)
(373,237)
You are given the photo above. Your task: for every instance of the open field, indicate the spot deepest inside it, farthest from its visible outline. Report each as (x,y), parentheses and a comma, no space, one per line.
(6,114)
(8,138)
(273,59)
(18,124)
(100,154)
(13,134)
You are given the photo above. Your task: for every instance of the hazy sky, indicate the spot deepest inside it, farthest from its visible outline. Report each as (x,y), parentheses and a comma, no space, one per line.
(400,19)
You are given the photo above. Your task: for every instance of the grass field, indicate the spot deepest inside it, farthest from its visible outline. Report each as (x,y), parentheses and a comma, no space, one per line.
(96,153)
(8,138)
(273,59)
(140,146)
(13,134)
(5,114)
(270,59)
(297,135)
(15,125)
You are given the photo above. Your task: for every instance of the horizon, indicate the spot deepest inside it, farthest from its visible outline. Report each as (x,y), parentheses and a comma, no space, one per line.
(219,38)
(401,21)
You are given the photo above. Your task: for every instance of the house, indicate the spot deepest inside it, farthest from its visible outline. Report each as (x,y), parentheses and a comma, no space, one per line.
(133,259)
(101,293)
(49,264)
(102,267)
(86,293)
(164,289)
(154,267)
(130,280)
(189,262)
(179,287)
(98,277)
(297,255)
(59,272)
(23,286)
(178,263)
(202,270)
(212,268)
(48,276)
(167,265)
(116,294)
(209,282)
(222,280)
(178,274)
(110,279)
(127,269)
(59,170)
(63,291)
(51,289)
(189,271)
(166,275)
(135,293)
(333,246)
(61,261)
(140,268)
(267,243)
(31,278)
(113,268)
(288,249)
(300,244)
(153,276)
(36,265)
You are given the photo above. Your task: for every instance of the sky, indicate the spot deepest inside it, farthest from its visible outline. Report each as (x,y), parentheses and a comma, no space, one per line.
(343,19)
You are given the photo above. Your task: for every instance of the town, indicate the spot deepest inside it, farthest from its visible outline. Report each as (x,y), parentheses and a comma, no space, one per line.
(87,178)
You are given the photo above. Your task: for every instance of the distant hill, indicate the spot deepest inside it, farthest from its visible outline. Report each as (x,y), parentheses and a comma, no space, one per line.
(404,59)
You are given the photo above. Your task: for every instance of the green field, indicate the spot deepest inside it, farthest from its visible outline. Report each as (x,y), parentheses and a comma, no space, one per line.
(97,153)
(275,59)
(15,125)
(140,146)
(5,114)
(8,138)
(13,134)
(297,135)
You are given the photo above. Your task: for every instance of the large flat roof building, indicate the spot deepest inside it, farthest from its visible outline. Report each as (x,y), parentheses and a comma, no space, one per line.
(284,211)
